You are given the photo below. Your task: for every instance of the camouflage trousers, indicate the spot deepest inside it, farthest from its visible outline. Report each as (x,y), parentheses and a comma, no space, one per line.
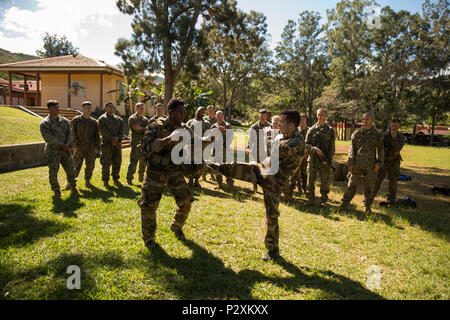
(298,179)
(152,191)
(135,157)
(392,169)
(368,177)
(111,156)
(88,155)
(323,171)
(54,159)
(271,190)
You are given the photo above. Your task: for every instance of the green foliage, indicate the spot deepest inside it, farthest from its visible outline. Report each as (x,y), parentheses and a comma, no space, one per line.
(8,57)
(55,46)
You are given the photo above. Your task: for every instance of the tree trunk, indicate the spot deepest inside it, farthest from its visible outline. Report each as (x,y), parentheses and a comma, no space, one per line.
(225,111)
(413,140)
(169,85)
(435,107)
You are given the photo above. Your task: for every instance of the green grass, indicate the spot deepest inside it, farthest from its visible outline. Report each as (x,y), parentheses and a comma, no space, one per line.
(17,126)
(326,254)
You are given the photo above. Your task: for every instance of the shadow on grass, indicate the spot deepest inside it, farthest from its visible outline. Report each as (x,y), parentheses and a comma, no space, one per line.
(432,210)
(107,195)
(204,276)
(18,226)
(22,282)
(67,206)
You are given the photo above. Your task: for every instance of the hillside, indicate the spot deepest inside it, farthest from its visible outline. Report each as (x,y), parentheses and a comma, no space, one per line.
(29,127)
(7,57)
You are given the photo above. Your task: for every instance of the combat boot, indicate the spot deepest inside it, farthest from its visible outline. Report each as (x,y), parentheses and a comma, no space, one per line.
(343,207)
(323,204)
(271,255)
(197,184)
(117,183)
(310,202)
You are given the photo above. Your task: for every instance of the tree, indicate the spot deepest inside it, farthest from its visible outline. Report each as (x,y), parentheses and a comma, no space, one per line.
(163,34)
(302,60)
(236,52)
(433,53)
(55,46)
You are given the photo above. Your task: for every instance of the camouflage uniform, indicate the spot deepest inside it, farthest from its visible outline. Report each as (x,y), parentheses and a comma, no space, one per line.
(218,177)
(253,143)
(155,117)
(111,126)
(161,171)
(291,149)
(326,135)
(300,177)
(57,133)
(86,138)
(362,155)
(136,147)
(205,126)
(391,165)
(210,120)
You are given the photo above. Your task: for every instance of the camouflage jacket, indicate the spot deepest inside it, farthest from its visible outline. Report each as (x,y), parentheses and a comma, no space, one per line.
(85,133)
(193,122)
(316,136)
(253,141)
(392,145)
(159,157)
(56,133)
(154,118)
(210,120)
(110,127)
(364,147)
(291,150)
(227,126)
(136,136)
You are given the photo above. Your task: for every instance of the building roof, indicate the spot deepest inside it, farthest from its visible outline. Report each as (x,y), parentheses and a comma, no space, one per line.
(75,62)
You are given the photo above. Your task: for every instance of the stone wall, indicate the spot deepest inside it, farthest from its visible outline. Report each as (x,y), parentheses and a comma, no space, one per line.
(21,156)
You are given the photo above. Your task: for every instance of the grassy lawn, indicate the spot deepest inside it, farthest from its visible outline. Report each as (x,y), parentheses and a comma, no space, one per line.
(326,255)
(28,125)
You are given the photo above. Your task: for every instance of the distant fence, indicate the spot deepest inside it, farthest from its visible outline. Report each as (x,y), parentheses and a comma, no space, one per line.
(22,156)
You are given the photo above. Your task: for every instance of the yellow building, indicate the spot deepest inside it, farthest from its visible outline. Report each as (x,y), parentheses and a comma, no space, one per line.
(71,79)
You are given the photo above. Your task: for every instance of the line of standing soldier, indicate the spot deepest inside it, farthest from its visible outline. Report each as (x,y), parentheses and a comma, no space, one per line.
(152,147)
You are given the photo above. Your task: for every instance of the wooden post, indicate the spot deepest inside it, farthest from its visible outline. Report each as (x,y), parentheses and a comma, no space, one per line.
(25,95)
(101,90)
(69,84)
(10,88)
(38,98)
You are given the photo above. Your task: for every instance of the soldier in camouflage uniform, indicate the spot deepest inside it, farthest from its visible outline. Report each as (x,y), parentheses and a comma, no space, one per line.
(161,171)
(226,138)
(211,117)
(363,163)
(57,134)
(254,149)
(393,142)
(111,129)
(86,142)
(320,145)
(159,113)
(299,178)
(137,124)
(291,149)
(203,125)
